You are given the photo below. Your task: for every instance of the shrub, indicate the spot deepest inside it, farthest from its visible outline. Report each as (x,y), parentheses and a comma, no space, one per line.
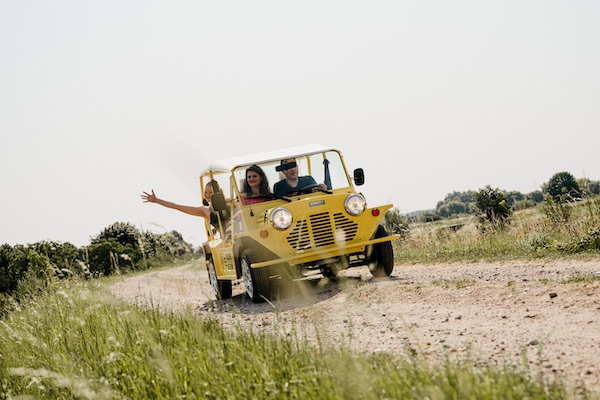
(16,262)
(492,204)
(396,222)
(66,258)
(555,211)
(108,256)
(562,186)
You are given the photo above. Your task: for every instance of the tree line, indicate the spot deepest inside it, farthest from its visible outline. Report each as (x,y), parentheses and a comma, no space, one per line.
(496,205)
(118,248)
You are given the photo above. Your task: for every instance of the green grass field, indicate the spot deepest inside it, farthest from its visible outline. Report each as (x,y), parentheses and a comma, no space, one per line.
(75,341)
(555,231)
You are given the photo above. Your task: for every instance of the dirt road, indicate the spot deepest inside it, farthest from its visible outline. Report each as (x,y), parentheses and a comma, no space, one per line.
(493,313)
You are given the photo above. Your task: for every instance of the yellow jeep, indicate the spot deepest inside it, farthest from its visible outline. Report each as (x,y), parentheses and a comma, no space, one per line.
(325,228)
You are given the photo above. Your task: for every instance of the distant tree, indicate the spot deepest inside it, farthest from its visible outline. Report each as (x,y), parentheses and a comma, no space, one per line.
(66,258)
(562,186)
(513,196)
(117,246)
(12,267)
(108,256)
(594,187)
(428,216)
(522,204)
(456,203)
(588,187)
(17,262)
(454,207)
(464,197)
(173,243)
(536,196)
(150,244)
(583,183)
(60,254)
(492,204)
(122,232)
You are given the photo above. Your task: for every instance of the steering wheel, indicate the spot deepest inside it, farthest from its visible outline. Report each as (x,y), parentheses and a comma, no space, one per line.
(309,188)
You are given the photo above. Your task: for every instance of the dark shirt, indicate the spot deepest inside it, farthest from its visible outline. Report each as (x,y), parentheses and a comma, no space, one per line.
(282,188)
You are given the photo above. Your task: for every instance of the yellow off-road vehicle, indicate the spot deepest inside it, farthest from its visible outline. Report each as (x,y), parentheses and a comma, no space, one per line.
(319,227)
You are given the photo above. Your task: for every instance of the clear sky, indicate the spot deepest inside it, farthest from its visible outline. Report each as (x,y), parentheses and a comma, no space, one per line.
(100,100)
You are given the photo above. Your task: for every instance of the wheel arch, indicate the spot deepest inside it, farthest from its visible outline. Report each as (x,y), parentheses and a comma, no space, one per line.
(241,244)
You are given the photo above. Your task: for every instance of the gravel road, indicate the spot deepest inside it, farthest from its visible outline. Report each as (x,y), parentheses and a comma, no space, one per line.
(491,313)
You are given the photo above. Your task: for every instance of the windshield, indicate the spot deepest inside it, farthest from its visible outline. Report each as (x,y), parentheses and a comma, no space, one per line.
(325,168)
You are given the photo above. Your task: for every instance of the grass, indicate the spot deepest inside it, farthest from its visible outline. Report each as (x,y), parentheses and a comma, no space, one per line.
(77,342)
(582,279)
(74,341)
(455,283)
(569,231)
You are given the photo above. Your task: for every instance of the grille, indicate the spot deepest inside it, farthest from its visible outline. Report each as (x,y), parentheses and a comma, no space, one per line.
(322,229)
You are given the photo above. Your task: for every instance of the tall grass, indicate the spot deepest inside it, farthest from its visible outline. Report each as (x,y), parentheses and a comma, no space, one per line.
(552,230)
(79,343)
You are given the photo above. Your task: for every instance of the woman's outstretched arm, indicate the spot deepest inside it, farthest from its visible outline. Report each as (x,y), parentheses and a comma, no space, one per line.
(200,211)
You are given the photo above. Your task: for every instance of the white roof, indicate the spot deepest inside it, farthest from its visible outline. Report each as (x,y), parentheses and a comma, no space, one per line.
(228,164)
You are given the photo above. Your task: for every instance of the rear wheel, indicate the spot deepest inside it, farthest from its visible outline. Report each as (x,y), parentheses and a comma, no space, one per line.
(382,255)
(221,288)
(256,280)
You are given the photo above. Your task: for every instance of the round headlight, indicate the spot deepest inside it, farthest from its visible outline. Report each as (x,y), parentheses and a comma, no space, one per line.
(281,218)
(355,204)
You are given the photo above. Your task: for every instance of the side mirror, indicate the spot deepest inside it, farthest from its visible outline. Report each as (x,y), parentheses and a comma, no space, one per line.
(359,176)
(218,202)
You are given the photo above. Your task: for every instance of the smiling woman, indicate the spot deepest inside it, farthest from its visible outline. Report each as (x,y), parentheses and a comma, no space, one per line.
(256,186)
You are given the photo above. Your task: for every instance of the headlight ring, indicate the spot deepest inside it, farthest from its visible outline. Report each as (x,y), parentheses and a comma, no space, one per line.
(355,204)
(281,218)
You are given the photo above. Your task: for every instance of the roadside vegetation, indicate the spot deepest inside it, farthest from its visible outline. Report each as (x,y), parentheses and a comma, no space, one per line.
(26,270)
(63,336)
(78,342)
(566,223)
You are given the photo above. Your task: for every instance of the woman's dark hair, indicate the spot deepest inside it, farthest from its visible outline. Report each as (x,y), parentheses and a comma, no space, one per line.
(264,188)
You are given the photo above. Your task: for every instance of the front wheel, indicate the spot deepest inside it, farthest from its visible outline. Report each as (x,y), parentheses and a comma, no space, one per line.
(256,280)
(382,255)
(221,289)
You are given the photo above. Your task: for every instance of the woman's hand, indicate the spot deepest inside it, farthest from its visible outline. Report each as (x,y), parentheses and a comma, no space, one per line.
(149,197)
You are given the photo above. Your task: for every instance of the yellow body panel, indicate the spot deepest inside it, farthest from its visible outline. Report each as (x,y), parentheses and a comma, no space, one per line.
(321,231)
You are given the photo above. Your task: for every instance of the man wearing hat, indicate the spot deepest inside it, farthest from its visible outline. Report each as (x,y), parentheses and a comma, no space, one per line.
(292,182)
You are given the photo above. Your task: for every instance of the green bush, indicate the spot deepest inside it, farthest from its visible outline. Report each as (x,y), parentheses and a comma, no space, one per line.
(66,258)
(108,256)
(562,187)
(589,242)
(555,211)
(16,262)
(396,223)
(492,204)
(122,247)
(24,270)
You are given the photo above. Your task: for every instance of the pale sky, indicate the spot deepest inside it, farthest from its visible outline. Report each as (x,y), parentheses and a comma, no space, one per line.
(102,100)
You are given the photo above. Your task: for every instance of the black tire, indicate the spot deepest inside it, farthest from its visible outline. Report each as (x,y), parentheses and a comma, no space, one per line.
(221,289)
(382,255)
(256,280)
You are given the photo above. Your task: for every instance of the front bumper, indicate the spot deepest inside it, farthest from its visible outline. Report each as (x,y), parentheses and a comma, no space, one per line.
(314,255)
